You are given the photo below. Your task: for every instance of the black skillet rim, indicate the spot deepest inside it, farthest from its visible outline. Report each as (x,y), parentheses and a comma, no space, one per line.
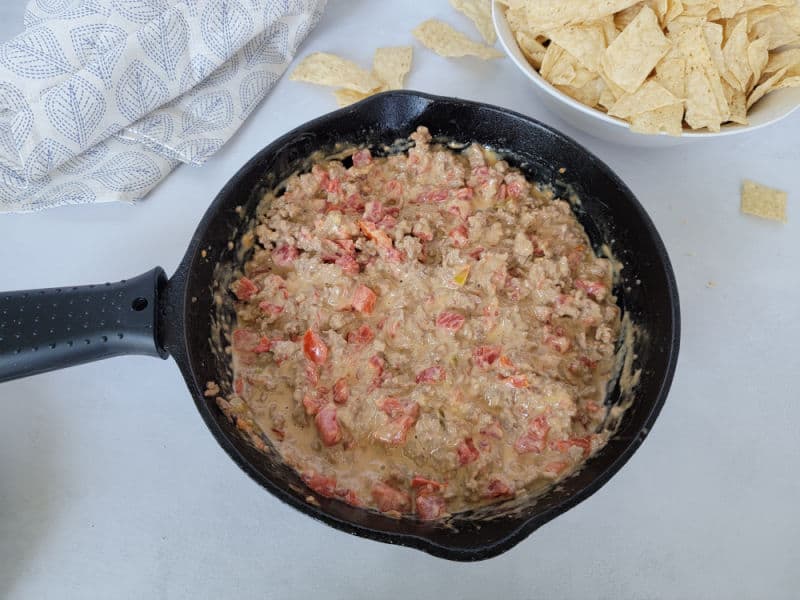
(179,300)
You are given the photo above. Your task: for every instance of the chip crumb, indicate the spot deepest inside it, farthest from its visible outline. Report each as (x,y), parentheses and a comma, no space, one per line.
(562,170)
(711,283)
(762,201)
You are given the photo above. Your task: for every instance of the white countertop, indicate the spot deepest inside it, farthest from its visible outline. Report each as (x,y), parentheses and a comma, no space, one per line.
(112,487)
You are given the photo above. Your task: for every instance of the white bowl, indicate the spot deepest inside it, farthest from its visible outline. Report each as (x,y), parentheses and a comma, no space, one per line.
(771,109)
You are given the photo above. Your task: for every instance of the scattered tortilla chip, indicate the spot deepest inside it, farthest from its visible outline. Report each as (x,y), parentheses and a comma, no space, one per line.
(636,51)
(762,201)
(348,97)
(322,68)
(480,13)
(391,65)
(446,41)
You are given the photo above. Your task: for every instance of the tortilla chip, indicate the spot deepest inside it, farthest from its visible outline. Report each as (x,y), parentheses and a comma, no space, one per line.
(776,29)
(674,10)
(391,65)
(446,41)
(589,93)
(764,88)
(480,13)
(651,96)
(585,42)
(758,57)
(322,68)
(762,201)
(348,97)
(788,58)
(552,14)
(730,8)
(668,119)
(533,50)
(737,101)
(551,58)
(737,65)
(671,73)
(702,109)
(636,51)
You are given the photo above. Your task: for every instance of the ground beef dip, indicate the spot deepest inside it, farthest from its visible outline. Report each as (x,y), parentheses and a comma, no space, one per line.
(423,333)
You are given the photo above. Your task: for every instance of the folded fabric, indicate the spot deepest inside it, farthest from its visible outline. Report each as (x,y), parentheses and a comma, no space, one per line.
(101,99)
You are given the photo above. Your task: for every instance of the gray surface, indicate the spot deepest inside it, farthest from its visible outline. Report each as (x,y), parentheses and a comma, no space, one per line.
(111,487)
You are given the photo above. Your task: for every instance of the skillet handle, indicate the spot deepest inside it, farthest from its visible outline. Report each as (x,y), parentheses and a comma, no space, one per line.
(48,329)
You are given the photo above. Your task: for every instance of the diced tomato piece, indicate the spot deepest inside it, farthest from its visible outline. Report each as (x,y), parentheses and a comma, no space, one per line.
(514,189)
(270,309)
(244,288)
(493,429)
(421,482)
(354,203)
(373,211)
(279,433)
(389,499)
(433,374)
(465,193)
(312,404)
(377,363)
(534,439)
(314,348)
(245,340)
(576,256)
(328,426)
(333,185)
(348,246)
(432,196)
(452,321)
(322,485)
(284,255)
(394,189)
(556,467)
(592,407)
(350,497)
(559,343)
(362,158)
(485,356)
(263,345)
(497,489)
(429,506)
(402,416)
(394,255)
(516,381)
(364,299)
(362,335)
(348,264)
(477,253)
(374,233)
(238,386)
(467,452)
(459,236)
(388,223)
(595,289)
(581,442)
(341,391)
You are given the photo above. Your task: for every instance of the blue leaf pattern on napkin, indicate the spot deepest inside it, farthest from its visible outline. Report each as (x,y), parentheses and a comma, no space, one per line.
(226,25)
(75,109)
(209,111)
(99,47)
(198,150)
(141,11)
(85,160)
(164,40)
(268,46)
(139,91)
(46,156)
(73,192)
(35,54)
(127,172)
(16,118)
(252,89)
(156,127)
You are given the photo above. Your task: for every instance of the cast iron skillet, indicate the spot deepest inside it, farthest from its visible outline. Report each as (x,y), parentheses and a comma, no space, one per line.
(49,329)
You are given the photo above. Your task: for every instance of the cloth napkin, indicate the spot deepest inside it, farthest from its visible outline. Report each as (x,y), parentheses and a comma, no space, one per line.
(101,99)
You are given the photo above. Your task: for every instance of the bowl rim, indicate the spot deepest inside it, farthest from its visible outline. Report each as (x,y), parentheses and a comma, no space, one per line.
(514,52)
